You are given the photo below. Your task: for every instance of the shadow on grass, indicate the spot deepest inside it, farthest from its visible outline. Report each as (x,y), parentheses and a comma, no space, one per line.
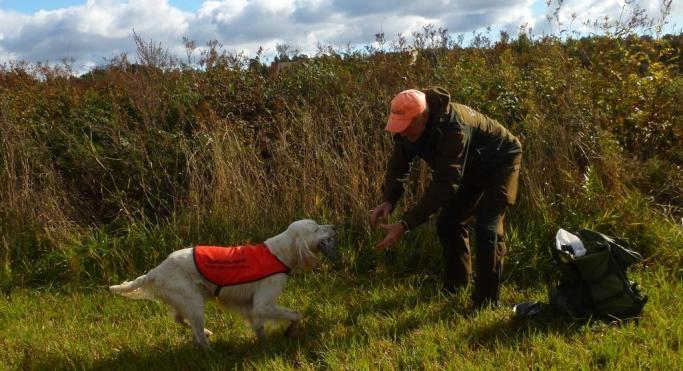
(511,331)
(393,304)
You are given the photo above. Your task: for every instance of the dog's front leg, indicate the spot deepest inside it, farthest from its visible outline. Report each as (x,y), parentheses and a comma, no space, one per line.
(274,312)
(264,308)
(257,324)
(292,329)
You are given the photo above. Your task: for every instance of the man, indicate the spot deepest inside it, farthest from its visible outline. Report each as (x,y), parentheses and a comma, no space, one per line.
(475,164)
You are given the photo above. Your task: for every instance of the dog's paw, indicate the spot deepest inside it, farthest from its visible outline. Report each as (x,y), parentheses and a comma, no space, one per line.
(208,350)
(204,346)
(292,329)
(260,333)
(207,332)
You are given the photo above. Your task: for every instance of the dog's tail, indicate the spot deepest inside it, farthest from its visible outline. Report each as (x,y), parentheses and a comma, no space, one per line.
(135,289)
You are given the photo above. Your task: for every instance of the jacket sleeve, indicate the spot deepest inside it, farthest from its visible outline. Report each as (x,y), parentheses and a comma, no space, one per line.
(397,170)
(446,177)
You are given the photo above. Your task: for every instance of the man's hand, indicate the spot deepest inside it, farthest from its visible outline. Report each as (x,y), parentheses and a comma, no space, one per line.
(394,233)
(381,211)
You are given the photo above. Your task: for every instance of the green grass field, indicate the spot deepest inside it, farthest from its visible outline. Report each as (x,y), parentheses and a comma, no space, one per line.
(379,320)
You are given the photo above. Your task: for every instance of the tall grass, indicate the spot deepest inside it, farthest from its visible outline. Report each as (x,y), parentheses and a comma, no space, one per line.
(105,173)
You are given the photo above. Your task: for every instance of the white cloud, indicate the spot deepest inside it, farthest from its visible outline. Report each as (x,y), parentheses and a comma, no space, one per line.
(91,32)
(11,23)
(221,11)
(6,56)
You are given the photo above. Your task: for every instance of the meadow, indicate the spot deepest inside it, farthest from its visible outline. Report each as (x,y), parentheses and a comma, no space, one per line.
(380,320)
(103,174)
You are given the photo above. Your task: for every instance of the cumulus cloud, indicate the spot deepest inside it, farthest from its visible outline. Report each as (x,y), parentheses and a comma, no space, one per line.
(102,29)
(90,32)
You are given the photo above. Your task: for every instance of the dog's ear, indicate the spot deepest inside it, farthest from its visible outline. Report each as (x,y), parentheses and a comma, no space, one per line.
(306,259)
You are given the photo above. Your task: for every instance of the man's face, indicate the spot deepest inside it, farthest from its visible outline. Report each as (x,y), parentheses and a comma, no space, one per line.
(413,132)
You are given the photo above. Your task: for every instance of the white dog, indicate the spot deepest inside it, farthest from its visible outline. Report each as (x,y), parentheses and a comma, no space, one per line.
(179,282)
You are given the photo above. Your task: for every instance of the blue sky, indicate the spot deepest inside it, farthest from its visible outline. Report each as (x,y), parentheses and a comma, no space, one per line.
(24,6)
(94,31)
(31,6)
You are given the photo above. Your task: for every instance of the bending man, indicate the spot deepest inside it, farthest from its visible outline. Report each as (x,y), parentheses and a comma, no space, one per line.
(475,164)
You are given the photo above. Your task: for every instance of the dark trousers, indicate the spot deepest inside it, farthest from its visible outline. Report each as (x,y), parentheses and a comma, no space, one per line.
(486,204)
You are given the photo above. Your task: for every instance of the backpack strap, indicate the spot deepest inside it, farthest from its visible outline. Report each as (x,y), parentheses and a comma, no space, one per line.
(582,283)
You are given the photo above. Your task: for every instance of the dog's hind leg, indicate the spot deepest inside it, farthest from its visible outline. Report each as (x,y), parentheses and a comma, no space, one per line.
(195,317)
(183,322)
(190,311)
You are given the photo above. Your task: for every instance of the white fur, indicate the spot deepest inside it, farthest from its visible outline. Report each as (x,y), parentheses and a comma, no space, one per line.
(177,282)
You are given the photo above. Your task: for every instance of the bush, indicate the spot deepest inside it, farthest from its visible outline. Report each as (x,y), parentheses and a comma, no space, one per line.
(105,173)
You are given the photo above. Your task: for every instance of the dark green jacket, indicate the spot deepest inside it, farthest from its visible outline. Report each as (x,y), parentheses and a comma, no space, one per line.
(460,145)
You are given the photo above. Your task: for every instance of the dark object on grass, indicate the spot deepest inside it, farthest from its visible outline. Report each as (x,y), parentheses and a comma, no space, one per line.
(528,309)
(595,284)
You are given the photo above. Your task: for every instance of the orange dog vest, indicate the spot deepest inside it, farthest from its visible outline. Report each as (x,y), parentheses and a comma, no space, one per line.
(226,266)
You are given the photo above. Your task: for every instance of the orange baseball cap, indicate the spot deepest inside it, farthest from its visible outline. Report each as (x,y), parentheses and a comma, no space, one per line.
(405,106)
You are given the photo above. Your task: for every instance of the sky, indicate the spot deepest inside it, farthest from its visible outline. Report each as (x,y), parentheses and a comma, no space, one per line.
(93,31)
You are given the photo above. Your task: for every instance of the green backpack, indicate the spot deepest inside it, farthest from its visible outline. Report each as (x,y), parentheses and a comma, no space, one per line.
(595,284)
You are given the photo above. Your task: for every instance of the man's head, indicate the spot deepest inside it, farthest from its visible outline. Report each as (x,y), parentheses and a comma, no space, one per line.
(408,115)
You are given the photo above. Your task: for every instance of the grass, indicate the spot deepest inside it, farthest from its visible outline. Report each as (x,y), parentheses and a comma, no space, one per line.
(380,319)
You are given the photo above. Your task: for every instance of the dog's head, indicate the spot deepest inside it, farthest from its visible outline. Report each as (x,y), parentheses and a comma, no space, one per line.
(310,238)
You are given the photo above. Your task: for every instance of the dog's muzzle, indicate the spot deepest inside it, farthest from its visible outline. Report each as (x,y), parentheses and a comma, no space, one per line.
(329,248)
